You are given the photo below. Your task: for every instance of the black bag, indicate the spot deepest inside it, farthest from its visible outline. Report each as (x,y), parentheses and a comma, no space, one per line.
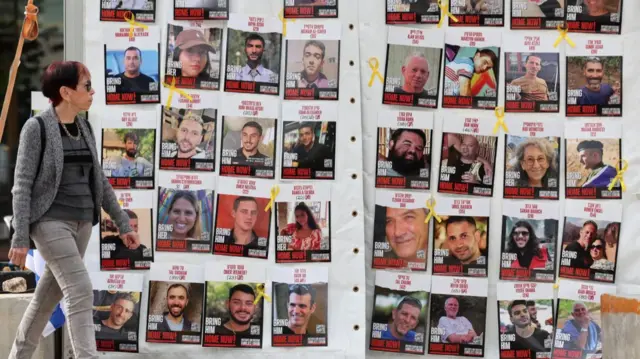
(43,142)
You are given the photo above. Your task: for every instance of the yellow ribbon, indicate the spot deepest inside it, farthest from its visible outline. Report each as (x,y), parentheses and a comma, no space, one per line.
(619,176)
(556,285)
(444,6)
(431,204)
(500,120)
(172,88)
(374,64)
(261,294)
(564,34)
(284,22)
(275,191)
(133,23)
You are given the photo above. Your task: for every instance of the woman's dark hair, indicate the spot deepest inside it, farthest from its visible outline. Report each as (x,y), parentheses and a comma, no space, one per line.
(311,221)
(206,72)
(531,249)
(59,74)
(191,197)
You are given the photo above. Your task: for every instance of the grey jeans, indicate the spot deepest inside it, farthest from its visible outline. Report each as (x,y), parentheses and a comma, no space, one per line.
(62,245)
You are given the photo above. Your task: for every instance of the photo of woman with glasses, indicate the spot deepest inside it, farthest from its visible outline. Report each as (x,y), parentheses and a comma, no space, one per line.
(533,163)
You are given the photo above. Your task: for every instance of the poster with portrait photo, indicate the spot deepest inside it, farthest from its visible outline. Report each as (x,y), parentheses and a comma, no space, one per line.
(590,240)
(403,159)
(461,237)
(254,45)
(117,254)
(116,310)
(309,140)
(193,57)
(477,13)
(310,9)
(400,234)
(120,10)
(579,327)
(131,65)
(400,309)
(532,158)
(468,156)
(529,237)
(234,305)
(312,64)
(242,225)
(594,77)
(200,9)
(593,152)
(412,12)
(458,314)
(249,133)
(188,134)
(525,319)
(594,16)
(532,73)
(185,212)
(303,223)
(471,68)
(300,301)
(174,312)
(129,149)
(537,14)
(412,72)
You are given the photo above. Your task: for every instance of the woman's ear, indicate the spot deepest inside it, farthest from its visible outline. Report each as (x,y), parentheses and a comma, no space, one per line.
(64,93)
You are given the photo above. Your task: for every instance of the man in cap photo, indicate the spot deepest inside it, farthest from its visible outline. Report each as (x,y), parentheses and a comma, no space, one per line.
(600,175)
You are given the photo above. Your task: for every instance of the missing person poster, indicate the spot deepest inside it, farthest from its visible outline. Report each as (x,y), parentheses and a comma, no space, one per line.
(200,9)
(537,14)
(193,57)
(121,10)
(400,233)
(579,327)
(529,237)
(458,315)
(594,16)
(312,64)
(234,305)
(300,306)
(174,312)
(400,310)
(532,73)
(310,8)
(532,158)
(412,73)
(461,238)
(242,224)
(471,68)
(115,252)
(403,158)
(590,240)
(477,13)
(525,319)
(188,133)
(254,45)
(593,154)
(468,156)
(116,310)
(131,64)
(249,133)
(129,149)
(594,77)
(412,12)
(303,223)
(309,140)
(185,212)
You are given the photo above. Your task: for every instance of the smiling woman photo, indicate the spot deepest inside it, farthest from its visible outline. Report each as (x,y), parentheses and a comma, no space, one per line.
(184,216)
(537,163)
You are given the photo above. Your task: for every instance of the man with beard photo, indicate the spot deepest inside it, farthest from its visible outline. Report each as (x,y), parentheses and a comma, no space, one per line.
(462,241)
(312,61)
(254,71)
(130,164)
(594,10)
(404,320)
(311,154)
(241,308)
(463,155)
(406,153)
(132,80)
(177,300)
(133,251)
(189,135)
(300,308)
(527,334)
(251,137)
(595,92)
(121,310)
(415,74)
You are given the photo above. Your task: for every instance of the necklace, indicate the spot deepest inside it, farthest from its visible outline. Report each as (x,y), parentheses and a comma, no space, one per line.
(75,138)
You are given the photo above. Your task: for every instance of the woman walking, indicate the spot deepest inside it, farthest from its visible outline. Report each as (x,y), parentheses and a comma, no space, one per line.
(56,202)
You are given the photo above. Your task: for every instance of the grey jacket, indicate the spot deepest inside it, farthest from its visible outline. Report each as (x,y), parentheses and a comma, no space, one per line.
(32,197)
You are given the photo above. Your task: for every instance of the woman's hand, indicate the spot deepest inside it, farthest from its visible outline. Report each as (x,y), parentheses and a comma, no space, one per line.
(18,256)
(131,240)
